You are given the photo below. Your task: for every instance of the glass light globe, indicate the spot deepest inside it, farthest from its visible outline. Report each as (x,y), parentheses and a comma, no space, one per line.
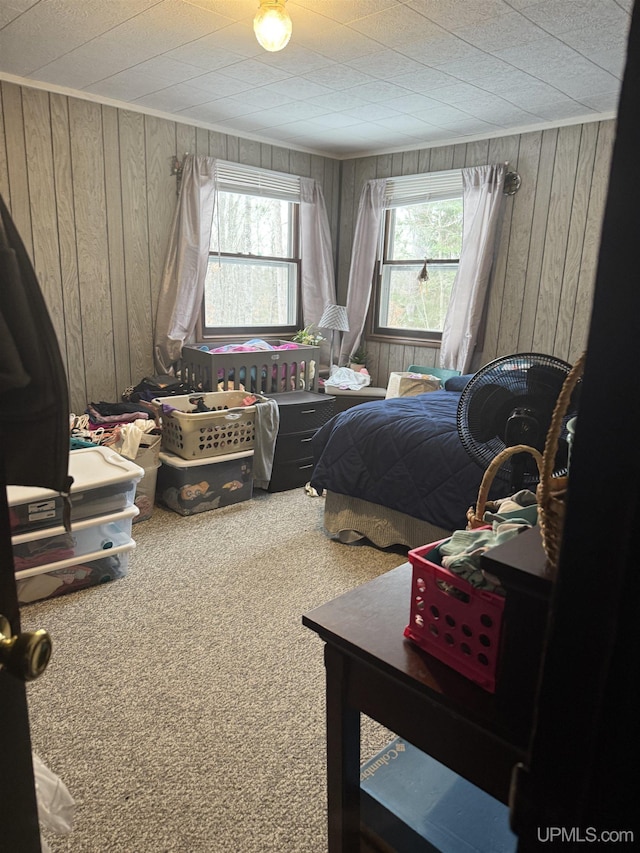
(272,25)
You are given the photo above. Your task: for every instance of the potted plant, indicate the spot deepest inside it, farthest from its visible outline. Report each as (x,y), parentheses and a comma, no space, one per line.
(307,336)
(358,359)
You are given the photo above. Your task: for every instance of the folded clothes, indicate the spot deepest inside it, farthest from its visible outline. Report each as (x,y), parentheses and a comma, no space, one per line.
(113,410)
(124,418)
(54,556)
(254,345)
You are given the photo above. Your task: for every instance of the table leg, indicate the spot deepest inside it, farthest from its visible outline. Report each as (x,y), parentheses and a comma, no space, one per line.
(343,757)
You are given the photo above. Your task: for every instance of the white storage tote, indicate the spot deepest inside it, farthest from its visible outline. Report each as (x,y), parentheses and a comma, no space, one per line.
(52,544)
(63,576)
(103,482)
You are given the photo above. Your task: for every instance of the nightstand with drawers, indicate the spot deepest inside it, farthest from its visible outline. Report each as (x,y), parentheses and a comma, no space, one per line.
(302,413)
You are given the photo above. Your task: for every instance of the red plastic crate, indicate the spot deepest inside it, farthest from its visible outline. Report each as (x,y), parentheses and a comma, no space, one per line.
(454,621)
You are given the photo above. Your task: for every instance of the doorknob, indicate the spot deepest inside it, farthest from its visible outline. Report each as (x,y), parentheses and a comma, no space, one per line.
(25,655)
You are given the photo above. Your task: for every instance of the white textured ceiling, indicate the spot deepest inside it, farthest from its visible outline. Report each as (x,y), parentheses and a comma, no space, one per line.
(358,76)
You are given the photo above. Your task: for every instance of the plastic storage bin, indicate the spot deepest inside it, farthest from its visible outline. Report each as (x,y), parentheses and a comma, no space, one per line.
(452,620)
(148,457)
(191,486)
(146,493)
(413,804)
(64,576)
(52,544)
(258,371)
(103,482)
(229,428)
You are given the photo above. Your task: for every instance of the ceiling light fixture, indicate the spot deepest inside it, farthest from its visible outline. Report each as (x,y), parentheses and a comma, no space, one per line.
(272,25)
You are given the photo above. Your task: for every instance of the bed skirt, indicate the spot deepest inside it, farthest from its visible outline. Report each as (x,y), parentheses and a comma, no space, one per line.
(351,519)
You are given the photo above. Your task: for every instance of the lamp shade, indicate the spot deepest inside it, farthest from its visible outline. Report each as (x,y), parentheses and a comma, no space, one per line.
(272,25)
(334,317)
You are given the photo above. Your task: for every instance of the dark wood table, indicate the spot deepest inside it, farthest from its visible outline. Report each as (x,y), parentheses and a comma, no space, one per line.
(372,669)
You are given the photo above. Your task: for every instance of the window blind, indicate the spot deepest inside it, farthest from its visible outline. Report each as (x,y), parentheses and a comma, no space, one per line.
(250,180)
(417,189)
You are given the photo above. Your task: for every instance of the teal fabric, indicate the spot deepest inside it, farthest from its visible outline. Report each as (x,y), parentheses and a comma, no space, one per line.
(441,372)
(78,443)
(461,553)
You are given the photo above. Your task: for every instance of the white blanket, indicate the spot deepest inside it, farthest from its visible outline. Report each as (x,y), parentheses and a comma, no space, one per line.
(344,377)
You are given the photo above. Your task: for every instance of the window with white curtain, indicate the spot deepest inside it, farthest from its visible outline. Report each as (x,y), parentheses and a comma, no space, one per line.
(420,245)
(252,285)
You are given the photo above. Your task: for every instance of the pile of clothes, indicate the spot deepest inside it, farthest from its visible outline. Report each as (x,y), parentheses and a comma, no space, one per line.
(112,424)
(199,405)
(131,428)
(508,517)
(118,424)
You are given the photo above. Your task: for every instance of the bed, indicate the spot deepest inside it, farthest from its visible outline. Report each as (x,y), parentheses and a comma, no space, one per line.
(395,471)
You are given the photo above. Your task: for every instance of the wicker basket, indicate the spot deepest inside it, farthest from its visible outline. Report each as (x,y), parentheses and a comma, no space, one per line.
(475,513)
(552,491)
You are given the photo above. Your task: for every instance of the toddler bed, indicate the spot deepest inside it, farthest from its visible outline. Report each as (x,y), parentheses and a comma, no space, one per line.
(396,472)
(258,366)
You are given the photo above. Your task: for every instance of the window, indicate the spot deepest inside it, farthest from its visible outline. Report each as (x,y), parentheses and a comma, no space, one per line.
(422,223)
(253,273)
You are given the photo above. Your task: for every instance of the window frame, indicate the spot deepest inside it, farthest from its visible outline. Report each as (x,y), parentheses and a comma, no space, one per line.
(377,331)
(237,179)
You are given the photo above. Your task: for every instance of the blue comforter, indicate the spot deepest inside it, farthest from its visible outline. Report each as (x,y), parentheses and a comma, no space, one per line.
(403,453)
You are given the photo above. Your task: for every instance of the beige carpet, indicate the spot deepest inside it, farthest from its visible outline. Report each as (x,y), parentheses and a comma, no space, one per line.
(184,704)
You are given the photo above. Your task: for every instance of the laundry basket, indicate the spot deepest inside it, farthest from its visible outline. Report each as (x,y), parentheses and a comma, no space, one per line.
(229,426)
(475,513)
(552,491)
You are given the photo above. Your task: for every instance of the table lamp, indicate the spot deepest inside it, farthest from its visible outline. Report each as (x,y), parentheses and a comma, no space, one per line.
(334,317)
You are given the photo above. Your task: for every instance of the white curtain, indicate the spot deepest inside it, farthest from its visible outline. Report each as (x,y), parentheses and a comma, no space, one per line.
(482,195)
(363,259)
(318,278)
(185,269)
(185,266)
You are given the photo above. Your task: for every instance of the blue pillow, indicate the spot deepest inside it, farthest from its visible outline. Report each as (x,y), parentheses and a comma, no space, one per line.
(457,383)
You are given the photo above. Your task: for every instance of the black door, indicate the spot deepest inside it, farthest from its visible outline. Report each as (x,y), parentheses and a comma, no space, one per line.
(581,777)
(33,390)
(18,811)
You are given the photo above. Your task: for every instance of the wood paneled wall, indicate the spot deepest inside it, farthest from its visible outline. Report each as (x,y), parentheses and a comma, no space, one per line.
(90,189)
(543,276)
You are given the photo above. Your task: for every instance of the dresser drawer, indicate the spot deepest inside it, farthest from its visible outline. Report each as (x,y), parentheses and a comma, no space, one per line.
(294,446)
(303,410)
(302,413)
(290,475)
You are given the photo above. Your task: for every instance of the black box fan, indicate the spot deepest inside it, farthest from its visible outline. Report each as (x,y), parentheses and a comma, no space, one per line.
(510,401)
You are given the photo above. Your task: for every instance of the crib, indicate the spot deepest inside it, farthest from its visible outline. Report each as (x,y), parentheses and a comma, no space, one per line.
(260,371)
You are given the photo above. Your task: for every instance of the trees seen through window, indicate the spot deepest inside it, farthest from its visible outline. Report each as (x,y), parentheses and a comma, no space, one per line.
(407,302)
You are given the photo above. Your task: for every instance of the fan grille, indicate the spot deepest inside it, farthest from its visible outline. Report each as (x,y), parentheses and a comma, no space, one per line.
(510,401)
